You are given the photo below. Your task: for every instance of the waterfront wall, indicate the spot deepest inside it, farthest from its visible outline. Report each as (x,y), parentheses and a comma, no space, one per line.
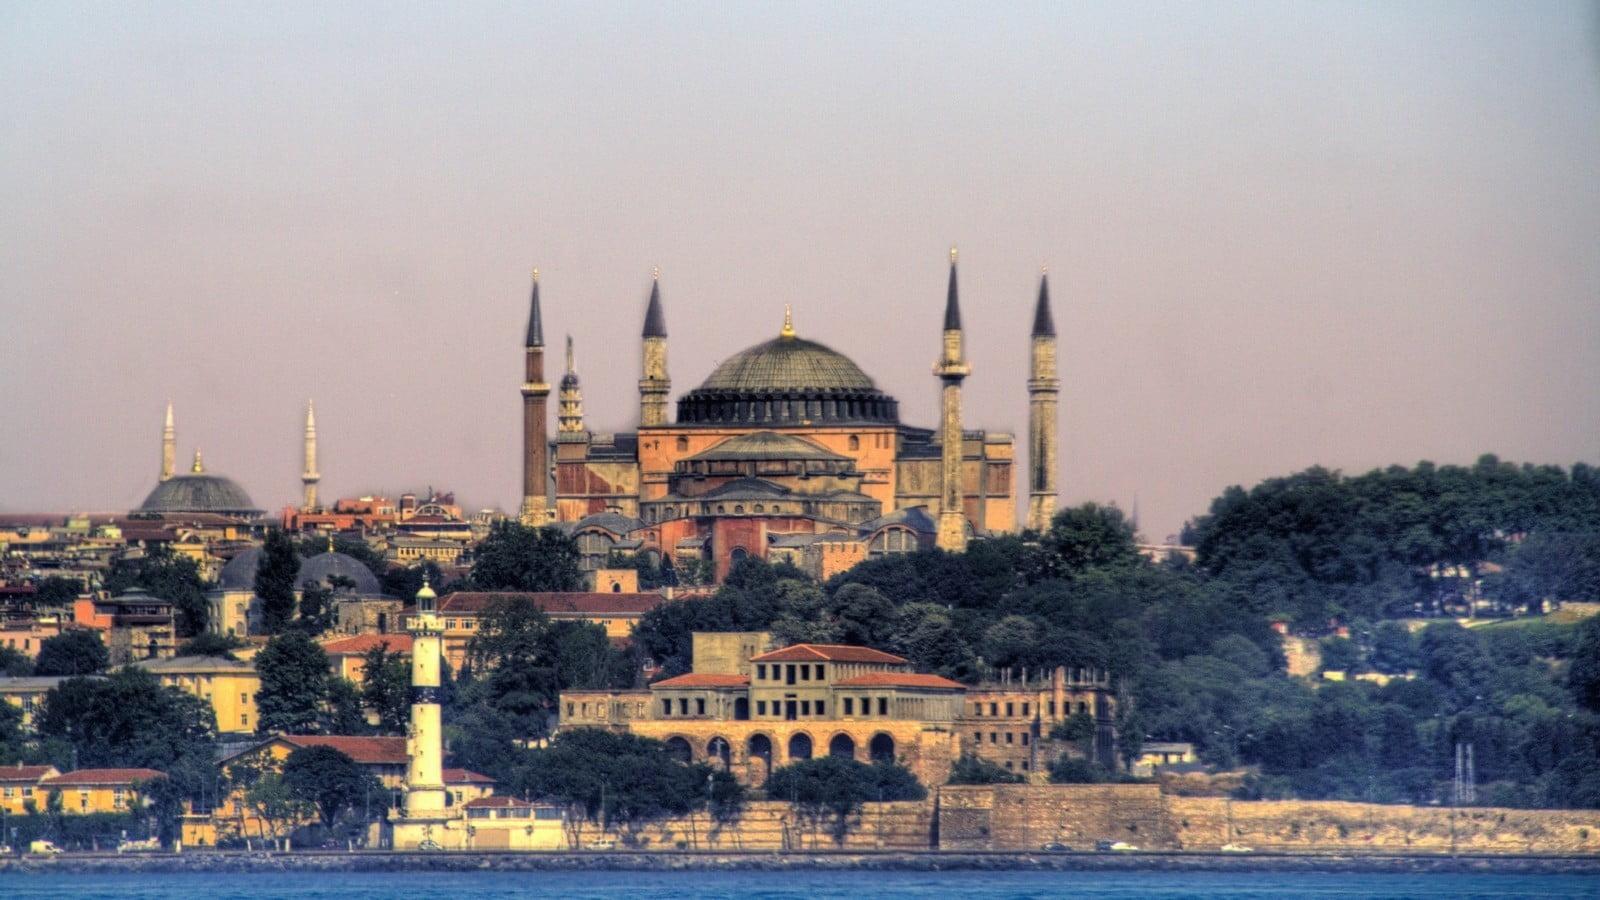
(1026,817)
(772,825)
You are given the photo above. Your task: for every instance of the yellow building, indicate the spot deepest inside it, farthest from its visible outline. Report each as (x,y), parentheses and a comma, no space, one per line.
(100,790)
(20,786)
(229,685)
(28,693)
(617,613)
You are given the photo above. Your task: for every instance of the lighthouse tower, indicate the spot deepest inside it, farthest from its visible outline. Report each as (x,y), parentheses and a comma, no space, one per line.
(426,824)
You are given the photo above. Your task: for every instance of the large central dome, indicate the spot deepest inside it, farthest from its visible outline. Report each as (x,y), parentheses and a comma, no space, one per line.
(787,380)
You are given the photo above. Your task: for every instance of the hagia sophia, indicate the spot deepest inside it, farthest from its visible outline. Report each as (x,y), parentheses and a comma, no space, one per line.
(787,450)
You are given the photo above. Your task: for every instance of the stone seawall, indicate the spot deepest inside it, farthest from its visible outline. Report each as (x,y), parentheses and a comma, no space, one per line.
(771,825)
(262,863)
(1026,817)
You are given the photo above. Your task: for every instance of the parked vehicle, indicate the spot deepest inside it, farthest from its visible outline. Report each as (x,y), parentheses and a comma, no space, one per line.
(43,848)
(1056,847)
(150,845)
(1114,847)
(429,845)
(601,844)
(1237,848)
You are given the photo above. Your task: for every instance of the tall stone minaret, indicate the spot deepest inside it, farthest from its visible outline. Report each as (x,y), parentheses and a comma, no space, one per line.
(169,447)
(310,477)
(569,408)
(535,443)
(425,736)
(654,383)
(1043,388)
(951,369)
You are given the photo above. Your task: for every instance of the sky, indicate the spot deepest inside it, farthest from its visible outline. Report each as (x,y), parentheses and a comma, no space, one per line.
(1278,234)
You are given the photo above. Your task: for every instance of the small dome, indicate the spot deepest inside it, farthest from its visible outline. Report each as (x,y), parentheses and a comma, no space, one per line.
(240,572)
(199,492)
(318,569)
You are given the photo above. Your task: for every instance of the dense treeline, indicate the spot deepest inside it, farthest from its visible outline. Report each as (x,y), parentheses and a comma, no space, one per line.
(1318,545)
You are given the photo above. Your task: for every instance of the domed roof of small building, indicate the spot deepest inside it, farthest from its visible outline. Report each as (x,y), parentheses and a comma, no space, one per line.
(198,491)
(240,572)
(768,445)
(318,569)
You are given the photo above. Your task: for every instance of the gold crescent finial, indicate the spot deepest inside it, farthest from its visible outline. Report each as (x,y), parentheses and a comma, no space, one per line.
(788,322)
(198,466)
(952,254)
(535,273)
(655,273)
(1044,270)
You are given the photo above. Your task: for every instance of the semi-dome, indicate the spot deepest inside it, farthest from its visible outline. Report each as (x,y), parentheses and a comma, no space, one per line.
(199,491)
(239,574)
(787,380)
(318,569)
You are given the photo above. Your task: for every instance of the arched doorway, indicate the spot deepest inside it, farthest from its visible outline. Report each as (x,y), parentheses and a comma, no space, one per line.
(881,748)
(842,745)
(760,747)
(741,709)
(800,747)
(680,749)
(720,750)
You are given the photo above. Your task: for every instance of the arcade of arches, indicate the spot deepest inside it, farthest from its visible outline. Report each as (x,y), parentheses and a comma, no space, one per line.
(751,750)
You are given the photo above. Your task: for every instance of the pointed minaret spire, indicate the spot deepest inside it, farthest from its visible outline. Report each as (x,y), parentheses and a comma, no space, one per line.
(569,406)
(1044,324)
(1043,388)
(654,384)
(535,447)
(570,369)
(535,319)
(951,369)
(169,447)
(952,303)
(310,476)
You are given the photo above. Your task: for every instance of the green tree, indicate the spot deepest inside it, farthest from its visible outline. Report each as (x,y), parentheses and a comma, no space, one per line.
(294,684)
(56,592)
(1340,655)
(211,644)
(329,780)
(516,557)
(1087,537)
(343,712)
(14,663)
(386,688)
(316,610)
(1583,674)
(832,789)
(128,720)
(276,806)
(166,574)
(970,769)
(77,651)
(1073,770)
(275,576)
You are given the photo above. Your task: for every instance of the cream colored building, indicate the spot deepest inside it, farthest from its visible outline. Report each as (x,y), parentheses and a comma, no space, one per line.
(229,685)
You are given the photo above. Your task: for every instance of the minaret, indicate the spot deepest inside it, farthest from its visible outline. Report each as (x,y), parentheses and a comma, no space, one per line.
(535,444)
(169,447)
(1043,388)
(951,369)
(424,736)
(569,410)
(310,476)
(654,384)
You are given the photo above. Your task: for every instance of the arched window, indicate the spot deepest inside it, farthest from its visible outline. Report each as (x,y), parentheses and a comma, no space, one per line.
(800,747)
(683,443)
(680,749)
(855,442)
(720,750)
(760,747)
(739,509)
(881,748)
(842,745)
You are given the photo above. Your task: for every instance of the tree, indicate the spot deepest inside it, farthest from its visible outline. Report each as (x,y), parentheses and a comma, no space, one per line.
(832,789)
(343,712)
(386,688)
(275,806)
(128,720)
(1072,770)
(77,651)
(166,574)
(14,663)
(1583,676)
(328,779)
(211,644)
(56,592)
(1087,537)
(970,769)
(275,575)
(316,610)
(1340,655)
(294,684)
(516,557)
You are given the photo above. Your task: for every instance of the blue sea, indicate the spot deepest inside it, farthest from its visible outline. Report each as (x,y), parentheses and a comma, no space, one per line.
(716,885)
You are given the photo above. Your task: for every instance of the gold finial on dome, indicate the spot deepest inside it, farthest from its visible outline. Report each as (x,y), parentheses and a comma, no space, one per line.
(655,273)
(952,254)
(788,323)
(535,273)
(197,468)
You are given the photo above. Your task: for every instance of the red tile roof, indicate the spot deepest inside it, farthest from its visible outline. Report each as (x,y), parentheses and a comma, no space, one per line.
(585,603)
(496,803)
(704,680)
(828,653)
(901,679)
(360,644)
(370,751)
(465,776)
(114,777)
(24,774)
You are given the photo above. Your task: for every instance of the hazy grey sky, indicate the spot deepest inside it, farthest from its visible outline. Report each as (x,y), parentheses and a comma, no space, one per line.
(1279,234)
